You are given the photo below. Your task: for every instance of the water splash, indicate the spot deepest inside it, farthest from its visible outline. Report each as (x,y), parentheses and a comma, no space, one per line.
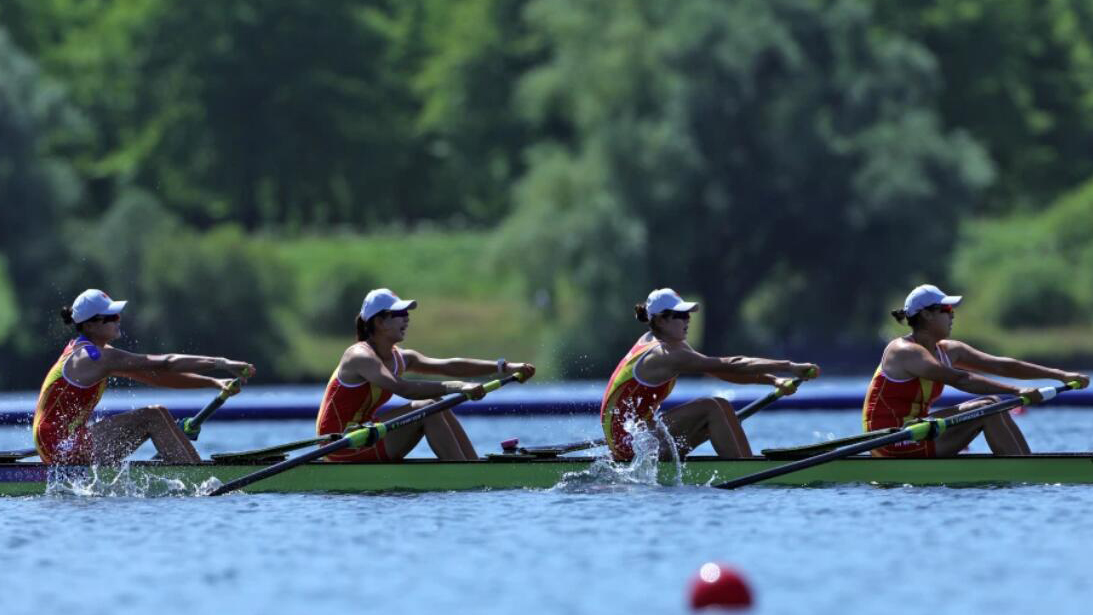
(645,470)
(125,480)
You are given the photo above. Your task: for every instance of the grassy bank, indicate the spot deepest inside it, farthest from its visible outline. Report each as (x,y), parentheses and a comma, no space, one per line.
(464,307)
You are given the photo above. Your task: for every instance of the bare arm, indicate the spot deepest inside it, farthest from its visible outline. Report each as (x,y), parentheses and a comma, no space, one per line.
(462,368)
(746,378)
(685,360)
(456,367)
(965,356)
(117,361)
(369,367)
(916,362)
(171,380)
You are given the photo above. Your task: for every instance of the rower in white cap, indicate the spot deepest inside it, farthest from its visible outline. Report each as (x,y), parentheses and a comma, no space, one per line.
(915,368)
(64,432)
(371,371)
(645,376)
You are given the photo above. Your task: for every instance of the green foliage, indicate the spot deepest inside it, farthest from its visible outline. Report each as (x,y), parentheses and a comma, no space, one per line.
(9,311)
(703,132)
(794,164)
(474,53)
(37,189)
(238,288)
(1019,78)
(464,308)
(1028,274)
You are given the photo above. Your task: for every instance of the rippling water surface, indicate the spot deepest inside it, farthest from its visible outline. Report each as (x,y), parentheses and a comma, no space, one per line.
(590,546)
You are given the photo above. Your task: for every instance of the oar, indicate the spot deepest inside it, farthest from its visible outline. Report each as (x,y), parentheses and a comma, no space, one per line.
(10,456)
(367,435)
(192,426)
(771,397)
(511,446)
(808,450)
(273,451)
(926,430)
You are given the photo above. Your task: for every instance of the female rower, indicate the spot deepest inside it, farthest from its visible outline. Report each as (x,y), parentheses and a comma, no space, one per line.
(63,430)
(371,371)
(915,368)
(646,375)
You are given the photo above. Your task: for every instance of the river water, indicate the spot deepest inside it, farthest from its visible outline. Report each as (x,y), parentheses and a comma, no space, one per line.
(597,547)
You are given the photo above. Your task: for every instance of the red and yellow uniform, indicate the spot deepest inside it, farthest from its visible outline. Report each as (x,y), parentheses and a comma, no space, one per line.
(895,403)
(61,432)
(344,404)
(628,398)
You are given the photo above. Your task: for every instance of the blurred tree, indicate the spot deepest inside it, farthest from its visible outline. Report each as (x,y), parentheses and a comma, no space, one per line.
(213,293)
(1018,76)
(473,54)
(774,152)
(1028,271)
(38,191)
(265,112)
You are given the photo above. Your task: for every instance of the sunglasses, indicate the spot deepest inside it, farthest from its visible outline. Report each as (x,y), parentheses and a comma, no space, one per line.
(399,314)
(105,318)
(678,315)
(941,307)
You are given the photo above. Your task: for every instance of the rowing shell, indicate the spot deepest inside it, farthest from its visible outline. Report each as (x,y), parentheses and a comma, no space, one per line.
(515,472)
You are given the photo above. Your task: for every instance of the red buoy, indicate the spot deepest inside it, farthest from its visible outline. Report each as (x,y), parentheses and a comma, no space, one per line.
(719,585)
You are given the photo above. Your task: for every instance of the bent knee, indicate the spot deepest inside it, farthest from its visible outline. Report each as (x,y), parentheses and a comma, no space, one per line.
(719,402)
(154,413)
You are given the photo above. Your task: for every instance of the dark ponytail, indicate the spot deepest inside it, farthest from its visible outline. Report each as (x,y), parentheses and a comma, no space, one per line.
(912,321)
(66,315)
(640,313)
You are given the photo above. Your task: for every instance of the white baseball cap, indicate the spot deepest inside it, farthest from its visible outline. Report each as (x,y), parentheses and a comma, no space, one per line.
(93,302)
(663,299)
(926,295)
(382,299)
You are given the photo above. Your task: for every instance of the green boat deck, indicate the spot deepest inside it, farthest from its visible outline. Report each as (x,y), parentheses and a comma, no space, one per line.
(503,472)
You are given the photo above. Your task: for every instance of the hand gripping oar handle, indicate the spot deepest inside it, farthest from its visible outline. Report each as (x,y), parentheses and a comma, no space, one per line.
(192,426)
(770,398)
(367,435)
(926,430)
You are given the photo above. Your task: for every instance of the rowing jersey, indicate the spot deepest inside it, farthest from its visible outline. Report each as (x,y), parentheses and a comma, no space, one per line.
(61,432)
(895,403)
(345,404)
(629,398)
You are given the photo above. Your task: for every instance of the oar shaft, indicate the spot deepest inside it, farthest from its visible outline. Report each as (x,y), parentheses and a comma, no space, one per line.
(769,398)
(365,436)
(192,426)
(803,464)
(925,430)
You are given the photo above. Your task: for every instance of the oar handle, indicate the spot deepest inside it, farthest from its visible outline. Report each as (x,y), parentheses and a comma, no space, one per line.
(192,426)
(365,436)
(772,397)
